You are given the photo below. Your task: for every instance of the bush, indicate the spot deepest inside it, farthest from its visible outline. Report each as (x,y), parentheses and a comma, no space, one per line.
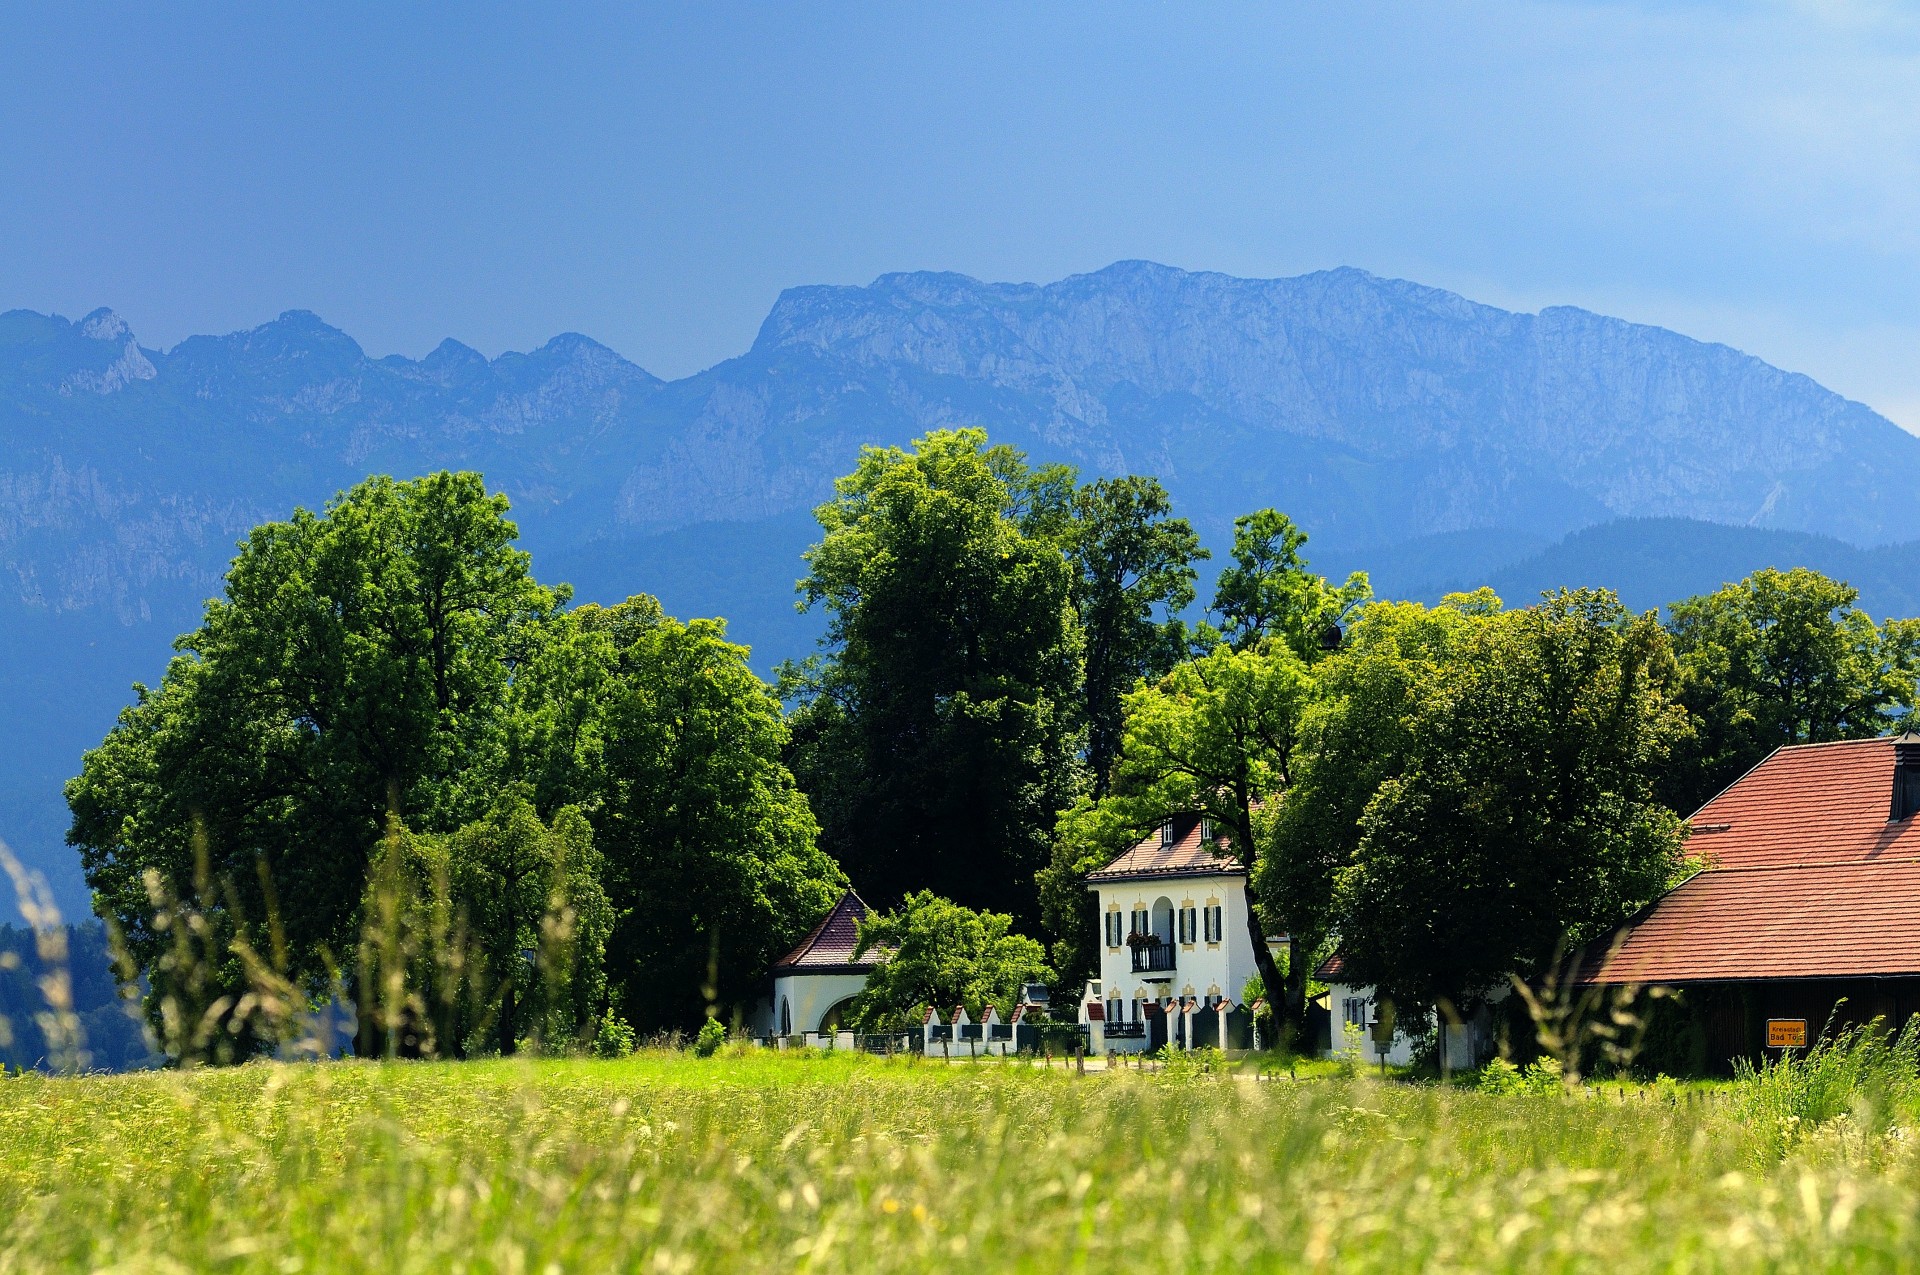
(712,1036)
(614,1038)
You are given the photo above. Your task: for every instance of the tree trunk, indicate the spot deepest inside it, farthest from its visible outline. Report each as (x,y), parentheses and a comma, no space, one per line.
(1277,998)
(506,1019)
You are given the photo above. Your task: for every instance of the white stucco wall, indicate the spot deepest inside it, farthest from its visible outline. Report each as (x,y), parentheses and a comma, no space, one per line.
(1361,1046)
(808,997)
(1200,968)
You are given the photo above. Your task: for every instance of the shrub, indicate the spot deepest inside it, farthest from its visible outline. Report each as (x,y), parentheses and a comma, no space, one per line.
(712,1036)
(614,1038)
(1500,1077)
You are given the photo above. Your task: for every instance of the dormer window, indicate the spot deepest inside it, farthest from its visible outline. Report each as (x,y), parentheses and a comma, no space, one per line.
(1166,833)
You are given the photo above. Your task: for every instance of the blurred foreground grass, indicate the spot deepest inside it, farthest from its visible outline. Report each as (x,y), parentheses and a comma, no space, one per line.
(664,1162)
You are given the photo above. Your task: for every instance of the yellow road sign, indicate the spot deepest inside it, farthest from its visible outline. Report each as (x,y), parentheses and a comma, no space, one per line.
(1786,1033)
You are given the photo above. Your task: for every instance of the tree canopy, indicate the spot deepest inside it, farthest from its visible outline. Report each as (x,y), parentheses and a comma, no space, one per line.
(939,732)
(389,667)
(1522,818)
(1782,657)
(939,955)
(1133,576)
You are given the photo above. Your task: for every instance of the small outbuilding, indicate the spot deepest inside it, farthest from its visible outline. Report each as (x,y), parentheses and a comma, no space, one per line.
(811,986)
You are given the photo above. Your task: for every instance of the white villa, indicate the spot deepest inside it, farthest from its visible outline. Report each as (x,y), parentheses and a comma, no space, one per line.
(1175,951)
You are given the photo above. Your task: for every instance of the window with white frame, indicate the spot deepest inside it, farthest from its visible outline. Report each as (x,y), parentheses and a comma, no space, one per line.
(1189,924)
(1166,833)
(1113,1010)
(1116,928)
(1142,924)
(1210,917)
(1353,1011)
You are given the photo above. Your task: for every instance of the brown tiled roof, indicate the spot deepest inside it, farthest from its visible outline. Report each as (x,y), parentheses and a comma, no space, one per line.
(1188,854)
(1818,803)
(1330,970)
(828,948)
(1835,920)
(1807,878)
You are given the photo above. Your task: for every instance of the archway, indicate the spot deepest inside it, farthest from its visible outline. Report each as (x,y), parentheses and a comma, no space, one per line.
(1163,919)
(786,1017)
(835,1017)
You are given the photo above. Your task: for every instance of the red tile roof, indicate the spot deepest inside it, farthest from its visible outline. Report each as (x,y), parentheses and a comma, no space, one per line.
(829,946)
(1807,878)
(1818,803)
(1187,854)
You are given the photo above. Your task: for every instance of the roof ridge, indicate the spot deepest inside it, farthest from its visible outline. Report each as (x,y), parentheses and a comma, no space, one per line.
(1791,867)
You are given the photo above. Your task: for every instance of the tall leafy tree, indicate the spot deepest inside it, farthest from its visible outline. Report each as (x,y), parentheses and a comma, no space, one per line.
(359,664)
(1357,732)
(1133,576)
(666,736)
(938,732)
(1268,593)
(1525,817)
(1782,657)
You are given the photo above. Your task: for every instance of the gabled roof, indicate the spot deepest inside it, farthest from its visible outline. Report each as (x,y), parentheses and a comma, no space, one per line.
(1806,878)
(1817,803)
(828,947)
(1187,854)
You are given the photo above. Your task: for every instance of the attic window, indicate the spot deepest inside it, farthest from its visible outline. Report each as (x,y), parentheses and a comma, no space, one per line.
(1166,833)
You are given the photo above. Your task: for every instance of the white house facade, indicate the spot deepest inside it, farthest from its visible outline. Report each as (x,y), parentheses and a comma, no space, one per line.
(1175,949)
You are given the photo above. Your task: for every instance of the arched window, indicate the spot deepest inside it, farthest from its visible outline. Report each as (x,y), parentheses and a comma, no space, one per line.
(786,1018)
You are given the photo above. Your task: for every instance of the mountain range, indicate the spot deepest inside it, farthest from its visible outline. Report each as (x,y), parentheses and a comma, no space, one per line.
(1438,442)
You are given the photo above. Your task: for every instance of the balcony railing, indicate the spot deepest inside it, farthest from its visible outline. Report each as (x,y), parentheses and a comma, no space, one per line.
(1154,955)
(1121,1030)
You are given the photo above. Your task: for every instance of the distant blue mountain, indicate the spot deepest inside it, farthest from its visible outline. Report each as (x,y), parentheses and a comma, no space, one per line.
(1435,440)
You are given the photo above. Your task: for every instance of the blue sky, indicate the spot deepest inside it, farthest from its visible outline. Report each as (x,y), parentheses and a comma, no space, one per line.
(654,177)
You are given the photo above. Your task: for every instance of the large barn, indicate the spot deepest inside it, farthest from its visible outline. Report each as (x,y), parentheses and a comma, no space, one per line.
(1808,910)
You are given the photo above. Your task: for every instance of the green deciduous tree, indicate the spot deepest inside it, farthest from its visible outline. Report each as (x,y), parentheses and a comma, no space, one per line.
(1268,592)
(1524,818)
(359,663)
(1783,657)
(1357,732)
(938,733)
(1133,575)
(940,955)
(664,734)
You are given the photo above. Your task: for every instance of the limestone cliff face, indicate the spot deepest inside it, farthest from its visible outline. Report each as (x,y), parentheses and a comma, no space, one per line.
(1373,410)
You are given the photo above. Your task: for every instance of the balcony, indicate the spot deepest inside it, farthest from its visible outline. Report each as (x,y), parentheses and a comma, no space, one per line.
(1152,954)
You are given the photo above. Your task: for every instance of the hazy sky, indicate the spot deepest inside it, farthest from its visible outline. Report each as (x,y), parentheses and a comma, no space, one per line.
(1744,173)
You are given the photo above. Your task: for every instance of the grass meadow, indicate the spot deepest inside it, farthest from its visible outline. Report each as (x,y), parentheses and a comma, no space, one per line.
(763,1162)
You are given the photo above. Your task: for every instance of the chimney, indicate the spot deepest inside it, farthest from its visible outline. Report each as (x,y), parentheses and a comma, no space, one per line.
(1906,777)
